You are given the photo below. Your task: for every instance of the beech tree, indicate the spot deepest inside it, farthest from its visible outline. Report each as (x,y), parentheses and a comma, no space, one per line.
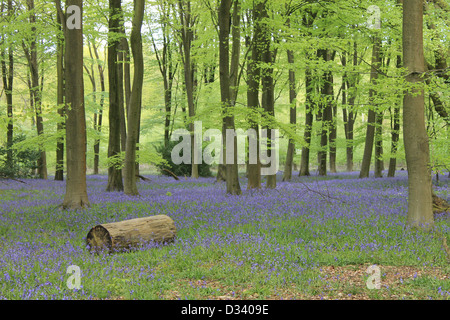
(130,186)
(188,19)
(76,189)
(232,178)
(372,114)
(115,182)
(60,99)
(7,65)
(30,48)
(420,208)
(253,87)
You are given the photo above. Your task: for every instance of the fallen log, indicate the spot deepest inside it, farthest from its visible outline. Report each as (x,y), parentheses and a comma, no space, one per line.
(171,173)
(142,178)
(440,205)
(128,234)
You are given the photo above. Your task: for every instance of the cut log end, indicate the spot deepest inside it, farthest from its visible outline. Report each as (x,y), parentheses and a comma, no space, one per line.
(129,234)
(440,205)
(98,239)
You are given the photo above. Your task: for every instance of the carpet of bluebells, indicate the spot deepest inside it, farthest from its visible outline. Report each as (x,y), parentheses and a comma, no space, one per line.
(256,245)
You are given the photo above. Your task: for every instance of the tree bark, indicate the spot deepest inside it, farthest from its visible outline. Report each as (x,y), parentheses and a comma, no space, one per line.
(232,177)
(307,19)
(115,182)
(166,67)
(59,172)
(268,90)
(35,88)
(253,85)
(125,235)
(76,189)
(349,114)
(130,187)
(309,118)
(395,132)
(187,36)
(379,163)
(420,205)
(325,113)
(98,122)
(371,119)
(8,81)
(287,174)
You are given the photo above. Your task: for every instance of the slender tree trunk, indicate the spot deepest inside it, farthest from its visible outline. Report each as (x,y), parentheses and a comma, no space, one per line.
(309,117)
(287,174)
(8,80)
(120,84)
(254,78)
(326,112)
(379,164)
(307,19)
(98,126)
(395,134)
(59,172)
(349,113)
(370,132)
(187,36)
(232,177)
(268,91)
(395,124)
(420,212)
(130,187)
(166,68)
(115,182)
(126,75)
(76,189)
(91,74)
(35,88)
(333,134)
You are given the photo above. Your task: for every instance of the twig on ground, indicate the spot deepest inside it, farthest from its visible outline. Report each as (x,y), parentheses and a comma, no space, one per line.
(325,196)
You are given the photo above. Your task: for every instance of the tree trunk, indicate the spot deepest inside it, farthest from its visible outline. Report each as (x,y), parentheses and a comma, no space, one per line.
(130,187)
(98,125)
(332,136)
(115,182)
(166,67)
(350,115)
(309,117)
(8,80)
(395,132)
(126,75)
(232,177)
(125,235)
(35,88)
(420,205)
(76,191)
(59,172)
(394,141)
(120,85)
(370,132)
(268,94)
(287,174)
(379,164)
(307,21)
(325,113)
(253,84)
(187,36)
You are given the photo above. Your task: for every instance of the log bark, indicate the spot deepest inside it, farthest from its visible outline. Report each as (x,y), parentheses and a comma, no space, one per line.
(128,234)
